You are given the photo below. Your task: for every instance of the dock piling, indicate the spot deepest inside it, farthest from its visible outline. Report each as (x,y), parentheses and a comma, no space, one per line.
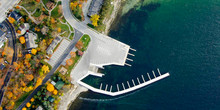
(148,76)
(132,49)
(100,86)
(129,59)
(111,88)
(138,80)
(117,87)
(123,86)
(143,78)
(158,71)
(127,64)
(133,82)
(106,87)
(154,74)
(128,84)
(131,54)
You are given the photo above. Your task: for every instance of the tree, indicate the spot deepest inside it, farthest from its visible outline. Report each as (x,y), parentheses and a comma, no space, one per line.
(50,87)
(22,39)
(38,83)
(73,54)
(79,45)
(9,94)
(29,77)
(11,20)
(55,92)
(32,99)
(69,62)
(38,1)
(95,18)
(19,31)
(24,108)
(45,68)
(28,105)
(59,30)
(28,56)
(34,51)
(17,7)
(52,20)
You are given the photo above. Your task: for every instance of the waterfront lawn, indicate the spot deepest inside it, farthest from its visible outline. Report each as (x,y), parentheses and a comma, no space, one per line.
(85,39)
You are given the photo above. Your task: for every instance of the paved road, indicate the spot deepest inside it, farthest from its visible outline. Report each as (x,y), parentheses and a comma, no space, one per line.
(8,76)
(58,63)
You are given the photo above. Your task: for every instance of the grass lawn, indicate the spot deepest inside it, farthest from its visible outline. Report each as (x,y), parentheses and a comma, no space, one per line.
(37,13)
(45,1)
(85,39)
(71,36)
(75,60)
(21,99)
(55,13)
(30,5)
(63,27)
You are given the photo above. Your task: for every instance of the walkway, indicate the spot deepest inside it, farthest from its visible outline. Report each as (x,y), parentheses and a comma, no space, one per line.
(121,88)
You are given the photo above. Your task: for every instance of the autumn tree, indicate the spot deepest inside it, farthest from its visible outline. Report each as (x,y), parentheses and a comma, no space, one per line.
(79,45)
(9,94)
(38,1)
(28,56)
(22,39)
(59,29)
(50,87)
(45,68)
(95,18)
(55,92)
(28,105)
(11,20)
(29,77)
(38,83)
(73,54)
(18,31)
(34,51)
(69,62)
(52,20)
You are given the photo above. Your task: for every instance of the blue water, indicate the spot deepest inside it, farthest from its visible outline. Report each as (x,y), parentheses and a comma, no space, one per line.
(181,37)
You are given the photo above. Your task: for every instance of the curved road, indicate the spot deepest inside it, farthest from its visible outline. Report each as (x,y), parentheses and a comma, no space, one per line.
(8,76)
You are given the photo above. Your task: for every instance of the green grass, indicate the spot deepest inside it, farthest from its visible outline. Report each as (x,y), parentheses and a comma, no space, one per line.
(71,36)
(75,60)
(21,99)
(70,27)
(30,5)
(45,1)
(85,39)
(55,13)
(37,13)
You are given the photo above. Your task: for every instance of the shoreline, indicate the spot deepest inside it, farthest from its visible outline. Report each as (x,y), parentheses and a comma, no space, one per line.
(68,98)
(117,7)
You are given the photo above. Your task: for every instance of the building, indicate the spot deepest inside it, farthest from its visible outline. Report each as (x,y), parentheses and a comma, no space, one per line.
(2,38)
(15,15)
(95,7)
(44,30)
(24,27)
(52,46)
(59,85)
(30,38)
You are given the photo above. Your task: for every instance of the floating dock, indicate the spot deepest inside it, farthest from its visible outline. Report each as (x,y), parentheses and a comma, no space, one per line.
(125,90)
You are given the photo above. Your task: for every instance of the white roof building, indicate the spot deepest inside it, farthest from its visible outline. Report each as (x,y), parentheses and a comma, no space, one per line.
(30,38)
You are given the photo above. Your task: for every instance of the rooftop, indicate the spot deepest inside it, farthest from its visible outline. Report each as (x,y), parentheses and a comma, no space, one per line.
(95,7)
(30,38)
(54,43)
(5,6)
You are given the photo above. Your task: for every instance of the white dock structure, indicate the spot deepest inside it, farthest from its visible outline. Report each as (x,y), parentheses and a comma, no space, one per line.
(124,90)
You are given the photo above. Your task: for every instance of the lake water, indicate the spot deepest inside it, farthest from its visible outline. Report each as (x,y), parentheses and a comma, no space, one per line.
(181,37)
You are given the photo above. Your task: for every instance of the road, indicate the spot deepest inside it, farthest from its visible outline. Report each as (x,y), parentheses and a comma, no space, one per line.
(8,76)
(58,63)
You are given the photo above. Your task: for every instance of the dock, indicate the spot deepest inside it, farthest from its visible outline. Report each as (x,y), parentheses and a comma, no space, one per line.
(125,90)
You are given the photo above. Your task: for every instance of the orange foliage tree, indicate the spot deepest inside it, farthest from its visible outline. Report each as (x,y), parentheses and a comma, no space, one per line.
(34,51)
(59,29)
(45,68)
(22,39)
(69,61)
(28,56)
(79,45)
(73,54)
(50,87)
